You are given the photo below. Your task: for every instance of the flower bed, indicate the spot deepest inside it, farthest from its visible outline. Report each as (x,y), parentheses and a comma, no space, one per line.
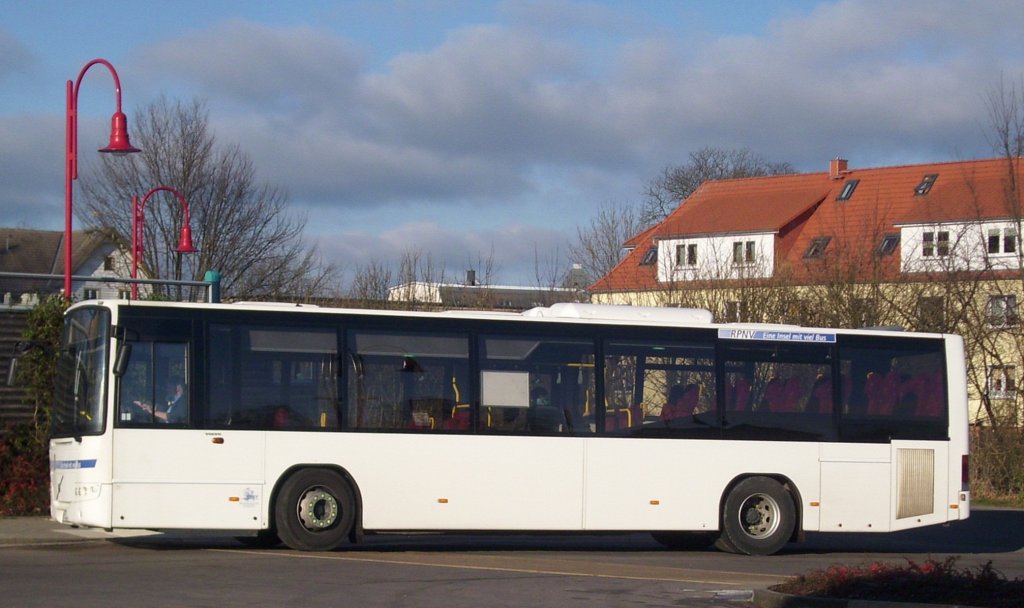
(933,582)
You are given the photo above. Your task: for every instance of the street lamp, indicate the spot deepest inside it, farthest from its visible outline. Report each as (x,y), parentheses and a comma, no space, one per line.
(184,244)
(119,144)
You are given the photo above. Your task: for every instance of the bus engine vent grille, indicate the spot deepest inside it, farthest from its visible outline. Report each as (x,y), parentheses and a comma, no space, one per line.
(916,482)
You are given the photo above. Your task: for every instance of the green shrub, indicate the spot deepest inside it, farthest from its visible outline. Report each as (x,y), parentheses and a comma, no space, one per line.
(24,457)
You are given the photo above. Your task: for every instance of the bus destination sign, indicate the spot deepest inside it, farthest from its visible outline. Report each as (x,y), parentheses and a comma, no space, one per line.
(777,335)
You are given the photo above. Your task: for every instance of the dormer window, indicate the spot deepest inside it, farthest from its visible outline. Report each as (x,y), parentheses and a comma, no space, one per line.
(926,184)
(847,190)
(650,257)
(888,245)
(817,247)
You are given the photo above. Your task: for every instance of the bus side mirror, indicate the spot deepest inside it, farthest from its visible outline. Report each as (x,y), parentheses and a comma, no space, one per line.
(124,353)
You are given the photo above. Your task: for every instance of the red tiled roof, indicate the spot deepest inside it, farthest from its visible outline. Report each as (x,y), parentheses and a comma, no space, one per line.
(640,239)
(801,207)
(757,204)
(629,274)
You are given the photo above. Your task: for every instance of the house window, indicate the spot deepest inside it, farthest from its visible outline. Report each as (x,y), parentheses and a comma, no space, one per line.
(91,294)
(123,294)
(1002,241)
(650,257)
(888,245)
(743,253)
(686,255)
(926,184)
(817,247)
(1002,382)
(935,243)
(1002,311)
(847,190)
(108,263)
(931,314)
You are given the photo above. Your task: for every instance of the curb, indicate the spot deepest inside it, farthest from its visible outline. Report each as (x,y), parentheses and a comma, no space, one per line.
(766,598)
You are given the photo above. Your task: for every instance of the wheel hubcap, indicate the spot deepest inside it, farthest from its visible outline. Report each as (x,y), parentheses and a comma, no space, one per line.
(318,509)
(759,516)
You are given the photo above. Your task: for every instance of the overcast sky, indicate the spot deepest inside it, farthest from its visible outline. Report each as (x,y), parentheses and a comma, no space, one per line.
(466,130)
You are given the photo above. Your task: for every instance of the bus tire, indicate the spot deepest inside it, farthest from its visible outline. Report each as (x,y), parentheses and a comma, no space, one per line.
(758,517)
(314,510)
(687,541)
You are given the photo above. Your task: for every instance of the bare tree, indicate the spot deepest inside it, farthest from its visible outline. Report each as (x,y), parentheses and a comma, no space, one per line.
(549,269)
(599,244)
(665,192)
(1005,105)
(369,288)
(417,282)
(242,228)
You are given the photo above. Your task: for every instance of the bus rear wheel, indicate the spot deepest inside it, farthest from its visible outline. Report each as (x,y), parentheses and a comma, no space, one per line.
(314,510)
(758,517)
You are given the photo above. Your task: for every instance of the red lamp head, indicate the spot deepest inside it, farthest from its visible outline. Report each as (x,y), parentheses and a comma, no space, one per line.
(185,244)
(119,143)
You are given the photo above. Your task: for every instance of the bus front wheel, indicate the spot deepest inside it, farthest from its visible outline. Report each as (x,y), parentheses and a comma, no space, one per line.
(314,510)
(758,517)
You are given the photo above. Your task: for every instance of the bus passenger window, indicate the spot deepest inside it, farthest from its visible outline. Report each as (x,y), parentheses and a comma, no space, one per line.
(660,389)
(778,391)
(538,386)
(893,389)
(269,377)
(408,382)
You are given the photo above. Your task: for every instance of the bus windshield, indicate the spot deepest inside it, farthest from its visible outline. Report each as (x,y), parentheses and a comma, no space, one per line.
(81,373)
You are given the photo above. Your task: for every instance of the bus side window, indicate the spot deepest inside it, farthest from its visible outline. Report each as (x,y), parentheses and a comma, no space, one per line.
(136,385)
(778,391)
(660,388)
(896,390)
(271,377)
(408,382)
(537,386)
(737,392)
(154,387)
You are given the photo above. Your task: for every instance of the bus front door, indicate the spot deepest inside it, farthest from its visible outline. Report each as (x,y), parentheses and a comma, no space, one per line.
(168,472)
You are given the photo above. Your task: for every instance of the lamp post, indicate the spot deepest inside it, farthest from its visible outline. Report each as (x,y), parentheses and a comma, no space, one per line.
(184,243)
(119,144)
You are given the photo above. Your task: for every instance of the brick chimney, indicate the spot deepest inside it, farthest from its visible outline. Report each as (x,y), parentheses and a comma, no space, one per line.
(837,167)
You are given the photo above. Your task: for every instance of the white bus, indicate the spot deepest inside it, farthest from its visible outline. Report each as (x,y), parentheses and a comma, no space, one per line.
(315,426)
